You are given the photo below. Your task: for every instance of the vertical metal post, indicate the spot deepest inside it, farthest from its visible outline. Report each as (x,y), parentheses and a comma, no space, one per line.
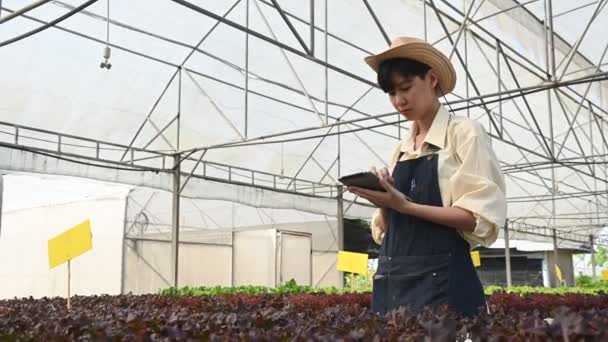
(597,197)
(550,59)
(604,152)
(246,66)
(326,69)
(232,258)
(501,133)
(508,254)
(179,106)
(123,261)
(1,195)
(175,221)
(69,283)
(591,145)
(425,28)
(312,28)
(592,258)
(466,60)
(551,133)
(339,162)
(555,254)
(340,217)
(546,38)
(551,38)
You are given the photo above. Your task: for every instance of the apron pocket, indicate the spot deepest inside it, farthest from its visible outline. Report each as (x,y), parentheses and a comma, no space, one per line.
(418,292)
(415,282)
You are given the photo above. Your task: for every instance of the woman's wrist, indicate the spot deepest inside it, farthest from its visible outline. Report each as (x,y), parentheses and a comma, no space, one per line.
(407,208)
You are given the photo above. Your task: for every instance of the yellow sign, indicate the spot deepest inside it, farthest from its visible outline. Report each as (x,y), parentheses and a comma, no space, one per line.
(70,244)
(558,273)
(476,258)
(604,274)
(352,262)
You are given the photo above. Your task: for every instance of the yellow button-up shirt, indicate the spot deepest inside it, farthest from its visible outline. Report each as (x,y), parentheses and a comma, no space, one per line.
(468,171)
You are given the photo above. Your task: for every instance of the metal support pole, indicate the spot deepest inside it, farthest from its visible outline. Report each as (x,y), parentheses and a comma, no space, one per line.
(123,263)
(425,27)
(22,10)
(326,68)
(340,201)
(232,258)
(272,41)
(312,31)
(550,57)
(574,49)
(507,254)
(289,63)
(468,74)
(339,162)
(1,195)
(246,66)
(499,79)
(467,93)
(461,29)
(375,18)
(551,40)
(592,258)
(291,27)
(175,221)
(526,103)
(604,150)
(555,254)
(179,107)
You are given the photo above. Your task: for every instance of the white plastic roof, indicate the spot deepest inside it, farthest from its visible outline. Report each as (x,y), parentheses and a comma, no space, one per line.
(52,81)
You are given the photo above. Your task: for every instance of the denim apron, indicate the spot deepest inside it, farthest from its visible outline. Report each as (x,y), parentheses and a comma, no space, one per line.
(422,263)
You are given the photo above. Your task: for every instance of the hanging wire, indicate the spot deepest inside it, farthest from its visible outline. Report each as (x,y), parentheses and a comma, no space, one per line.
(108,25)
(107,51)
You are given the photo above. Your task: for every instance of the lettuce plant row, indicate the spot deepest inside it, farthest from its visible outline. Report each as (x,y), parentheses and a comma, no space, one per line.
(302,317)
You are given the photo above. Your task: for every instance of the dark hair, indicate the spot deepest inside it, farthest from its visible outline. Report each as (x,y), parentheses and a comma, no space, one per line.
(405,67)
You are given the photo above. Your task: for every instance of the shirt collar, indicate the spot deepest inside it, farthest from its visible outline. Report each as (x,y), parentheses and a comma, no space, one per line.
(436,134)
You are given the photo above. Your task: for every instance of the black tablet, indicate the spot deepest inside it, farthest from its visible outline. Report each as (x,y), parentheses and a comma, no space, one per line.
(366,180)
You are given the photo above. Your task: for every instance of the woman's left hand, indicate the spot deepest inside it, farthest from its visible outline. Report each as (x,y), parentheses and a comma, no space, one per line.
(392,198)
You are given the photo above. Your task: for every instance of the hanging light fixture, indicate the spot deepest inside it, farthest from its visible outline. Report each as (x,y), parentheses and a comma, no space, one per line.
(107,52)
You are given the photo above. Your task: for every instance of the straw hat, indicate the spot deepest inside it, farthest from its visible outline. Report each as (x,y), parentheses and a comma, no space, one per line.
(421,51)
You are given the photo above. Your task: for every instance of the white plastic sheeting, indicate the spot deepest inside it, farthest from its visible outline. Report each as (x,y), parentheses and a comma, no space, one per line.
(31,217)
(52,81)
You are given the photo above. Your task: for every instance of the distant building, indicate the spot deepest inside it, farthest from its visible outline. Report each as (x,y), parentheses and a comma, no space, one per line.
(532,263)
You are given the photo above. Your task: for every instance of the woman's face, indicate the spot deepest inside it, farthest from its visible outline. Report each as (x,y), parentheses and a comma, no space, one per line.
(414,97)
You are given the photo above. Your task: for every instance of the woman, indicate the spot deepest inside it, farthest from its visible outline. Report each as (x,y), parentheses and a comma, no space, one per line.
(445,192)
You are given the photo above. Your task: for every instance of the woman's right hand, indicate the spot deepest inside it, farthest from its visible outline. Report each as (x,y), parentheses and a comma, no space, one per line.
(382,174)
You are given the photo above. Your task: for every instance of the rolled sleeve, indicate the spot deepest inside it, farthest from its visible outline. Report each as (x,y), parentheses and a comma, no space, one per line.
(377,232)
(478,186)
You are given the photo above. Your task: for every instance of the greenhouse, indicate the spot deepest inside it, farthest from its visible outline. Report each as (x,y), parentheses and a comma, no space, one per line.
(203,140)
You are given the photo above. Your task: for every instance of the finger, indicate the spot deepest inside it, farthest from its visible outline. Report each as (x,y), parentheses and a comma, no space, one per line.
(387,186)
(353,188)
(384,173)
(360,195)
(364,192)
(373,170)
